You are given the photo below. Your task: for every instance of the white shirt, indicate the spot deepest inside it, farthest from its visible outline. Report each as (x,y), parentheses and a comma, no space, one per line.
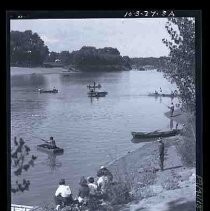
(64,190)
(102,181)
(93,188)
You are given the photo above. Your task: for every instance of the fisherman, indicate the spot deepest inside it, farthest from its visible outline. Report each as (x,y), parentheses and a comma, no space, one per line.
(52,143)
(160,90)
(84,191)
(63,195)
(156,92)
(172,109)
(161,153)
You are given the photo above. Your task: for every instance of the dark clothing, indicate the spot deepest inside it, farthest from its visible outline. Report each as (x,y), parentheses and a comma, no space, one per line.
(84,191)
(172,110)
(105,172)
(161,155)
(59,200)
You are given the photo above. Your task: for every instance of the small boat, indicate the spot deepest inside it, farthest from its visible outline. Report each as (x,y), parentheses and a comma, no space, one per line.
(97,94)
(94,93)
(162,95)
(155,134)
(48,91)
(48,148)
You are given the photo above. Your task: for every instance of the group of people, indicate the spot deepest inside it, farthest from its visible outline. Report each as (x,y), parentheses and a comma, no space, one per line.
(89,189)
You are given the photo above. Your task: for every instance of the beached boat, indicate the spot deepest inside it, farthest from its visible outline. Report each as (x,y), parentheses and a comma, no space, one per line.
(155,134)
(48,91)
(48,148)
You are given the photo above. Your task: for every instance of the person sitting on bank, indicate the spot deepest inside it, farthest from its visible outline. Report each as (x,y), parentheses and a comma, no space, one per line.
(63,195)
(104,181)
(84,191)
(52,143)
(92,186)
(103,171)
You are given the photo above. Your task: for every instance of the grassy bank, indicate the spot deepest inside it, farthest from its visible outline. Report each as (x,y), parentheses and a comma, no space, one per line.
(161,190)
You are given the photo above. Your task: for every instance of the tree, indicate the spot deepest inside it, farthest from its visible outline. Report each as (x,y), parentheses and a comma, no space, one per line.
(181,64)
(21,161)
(27,49)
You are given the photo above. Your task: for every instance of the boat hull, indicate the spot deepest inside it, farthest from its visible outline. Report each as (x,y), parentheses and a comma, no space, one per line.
(143,135)
(162,95)
(97,94)
(48,91)
(47,148)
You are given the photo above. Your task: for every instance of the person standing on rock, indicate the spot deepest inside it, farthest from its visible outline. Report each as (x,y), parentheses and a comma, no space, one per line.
(161,153)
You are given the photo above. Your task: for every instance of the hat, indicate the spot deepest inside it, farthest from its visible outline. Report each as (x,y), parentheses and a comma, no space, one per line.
(102,167)
(159,140)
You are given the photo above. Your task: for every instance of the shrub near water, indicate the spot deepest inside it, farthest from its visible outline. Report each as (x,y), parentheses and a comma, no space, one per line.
(187,144)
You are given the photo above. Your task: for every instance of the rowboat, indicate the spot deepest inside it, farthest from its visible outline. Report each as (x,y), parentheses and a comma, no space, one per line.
(48,91)
(155,134)
(97,94)
(162,95)
(48,148)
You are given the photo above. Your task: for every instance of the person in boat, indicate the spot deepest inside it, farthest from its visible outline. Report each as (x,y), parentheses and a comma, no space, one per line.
(52,143)
(161,153)
(160,90)
(172,109)
(63,195)
(156,92)
(84,191)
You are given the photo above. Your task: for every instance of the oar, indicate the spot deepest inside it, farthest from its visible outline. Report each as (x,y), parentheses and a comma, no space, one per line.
(44,140)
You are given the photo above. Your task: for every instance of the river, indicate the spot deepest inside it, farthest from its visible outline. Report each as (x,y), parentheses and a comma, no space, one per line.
(93,132)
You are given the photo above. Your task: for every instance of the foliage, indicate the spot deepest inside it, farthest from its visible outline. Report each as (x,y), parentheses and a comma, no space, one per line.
(21,161)
(27,49)
(181,65)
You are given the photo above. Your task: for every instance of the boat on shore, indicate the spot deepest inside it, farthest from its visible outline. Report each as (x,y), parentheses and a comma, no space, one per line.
(155,134)
(48,91)
(47,148)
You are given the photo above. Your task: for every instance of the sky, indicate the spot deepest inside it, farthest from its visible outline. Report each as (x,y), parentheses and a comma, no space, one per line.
(134,37)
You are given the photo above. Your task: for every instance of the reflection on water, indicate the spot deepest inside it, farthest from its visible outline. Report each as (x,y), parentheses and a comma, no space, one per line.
(91,131)
(52,161)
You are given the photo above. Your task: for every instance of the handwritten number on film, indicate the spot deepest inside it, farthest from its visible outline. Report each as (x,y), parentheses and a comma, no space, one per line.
(146,13)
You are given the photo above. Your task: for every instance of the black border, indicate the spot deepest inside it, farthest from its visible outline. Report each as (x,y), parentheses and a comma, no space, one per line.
(74,14)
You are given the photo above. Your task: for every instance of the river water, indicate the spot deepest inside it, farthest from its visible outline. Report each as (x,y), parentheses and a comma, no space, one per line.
(93,132)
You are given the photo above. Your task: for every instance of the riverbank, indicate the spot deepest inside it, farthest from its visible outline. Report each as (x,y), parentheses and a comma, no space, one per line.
(152,189)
